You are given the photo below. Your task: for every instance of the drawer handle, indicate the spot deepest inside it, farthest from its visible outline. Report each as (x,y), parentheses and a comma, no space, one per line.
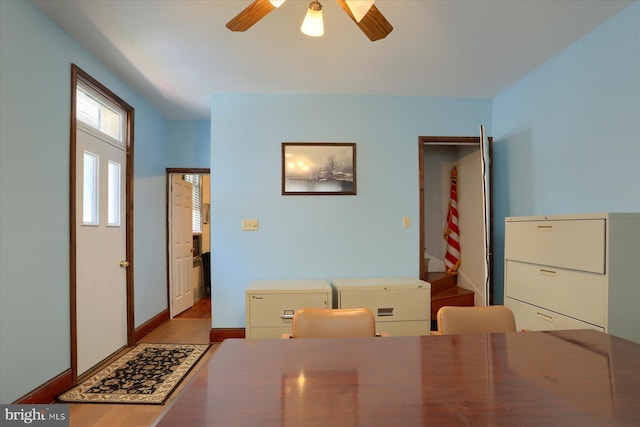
(544,317)
(288,314)
(385,311)
(545,227)
(548,272)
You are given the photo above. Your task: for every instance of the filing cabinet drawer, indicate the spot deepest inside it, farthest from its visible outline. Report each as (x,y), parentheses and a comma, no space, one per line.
(538,319)
(577,245)
(277,309)
(390,304)
(575,293)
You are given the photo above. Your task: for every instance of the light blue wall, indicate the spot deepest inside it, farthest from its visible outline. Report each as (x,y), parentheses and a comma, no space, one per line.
(319,237)
(189,143)
(149,189)
(35,58)
(567,137)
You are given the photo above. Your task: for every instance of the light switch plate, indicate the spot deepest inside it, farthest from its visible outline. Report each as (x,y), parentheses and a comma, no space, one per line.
(406,222)
(249,225)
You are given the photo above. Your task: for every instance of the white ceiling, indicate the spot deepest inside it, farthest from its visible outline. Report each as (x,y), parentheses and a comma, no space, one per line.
(177,53)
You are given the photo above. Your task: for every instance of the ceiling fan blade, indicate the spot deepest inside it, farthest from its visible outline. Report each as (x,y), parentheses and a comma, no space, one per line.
(374,25)
(250,15)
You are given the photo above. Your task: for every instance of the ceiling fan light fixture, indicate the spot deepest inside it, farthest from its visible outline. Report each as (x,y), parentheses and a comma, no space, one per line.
(359,8)
(277,3)
(313,25)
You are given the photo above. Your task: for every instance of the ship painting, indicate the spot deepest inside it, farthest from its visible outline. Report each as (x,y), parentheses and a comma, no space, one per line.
(318,168)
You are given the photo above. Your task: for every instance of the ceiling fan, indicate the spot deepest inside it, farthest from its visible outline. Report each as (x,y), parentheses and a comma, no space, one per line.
(363,12)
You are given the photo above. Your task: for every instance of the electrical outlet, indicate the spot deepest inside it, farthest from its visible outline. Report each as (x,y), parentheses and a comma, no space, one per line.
(249,225)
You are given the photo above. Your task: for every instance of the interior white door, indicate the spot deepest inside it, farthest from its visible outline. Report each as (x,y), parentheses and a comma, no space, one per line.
(101,294)
(486,195)
(181,246)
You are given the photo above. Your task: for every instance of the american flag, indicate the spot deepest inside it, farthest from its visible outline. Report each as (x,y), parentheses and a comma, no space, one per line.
(452,232)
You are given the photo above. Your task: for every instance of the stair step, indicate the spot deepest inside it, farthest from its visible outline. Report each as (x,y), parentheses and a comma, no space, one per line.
(441,281)
(453,296)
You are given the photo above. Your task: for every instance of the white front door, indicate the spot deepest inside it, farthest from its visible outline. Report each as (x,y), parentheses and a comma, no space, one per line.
(101,288)
(181,245)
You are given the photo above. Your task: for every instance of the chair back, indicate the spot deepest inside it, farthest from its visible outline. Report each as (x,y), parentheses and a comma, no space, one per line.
(327,322)
(469,320)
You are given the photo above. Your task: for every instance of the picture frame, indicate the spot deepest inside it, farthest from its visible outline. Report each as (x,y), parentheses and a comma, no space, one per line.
(318,168)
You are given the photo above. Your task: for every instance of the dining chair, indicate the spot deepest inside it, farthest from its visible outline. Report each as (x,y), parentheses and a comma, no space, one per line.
(333,323)
(469,320)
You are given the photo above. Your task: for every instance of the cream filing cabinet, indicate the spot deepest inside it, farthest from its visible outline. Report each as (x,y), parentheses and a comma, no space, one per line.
(270,304)
(574,272)
(401,305)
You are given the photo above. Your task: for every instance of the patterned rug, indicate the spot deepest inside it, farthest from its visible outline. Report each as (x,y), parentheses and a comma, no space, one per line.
(147,374)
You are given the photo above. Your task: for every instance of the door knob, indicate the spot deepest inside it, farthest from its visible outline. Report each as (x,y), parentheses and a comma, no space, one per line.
(124,263)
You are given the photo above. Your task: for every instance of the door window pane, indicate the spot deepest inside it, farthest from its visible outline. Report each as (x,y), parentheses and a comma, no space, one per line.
(113,209)
(90,189)
(99,114)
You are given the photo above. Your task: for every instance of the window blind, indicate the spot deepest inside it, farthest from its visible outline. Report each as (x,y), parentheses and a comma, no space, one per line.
(196,199)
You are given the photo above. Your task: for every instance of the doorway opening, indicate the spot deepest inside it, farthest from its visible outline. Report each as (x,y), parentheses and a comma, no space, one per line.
(471,283)
(188,241)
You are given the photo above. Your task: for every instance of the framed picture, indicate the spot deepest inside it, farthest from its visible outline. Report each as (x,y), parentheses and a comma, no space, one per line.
(311,168)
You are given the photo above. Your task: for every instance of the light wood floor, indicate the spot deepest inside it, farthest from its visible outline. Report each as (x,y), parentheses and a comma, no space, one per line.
(185,329)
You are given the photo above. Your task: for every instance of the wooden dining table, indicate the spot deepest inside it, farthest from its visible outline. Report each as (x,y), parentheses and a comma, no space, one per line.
(561,378)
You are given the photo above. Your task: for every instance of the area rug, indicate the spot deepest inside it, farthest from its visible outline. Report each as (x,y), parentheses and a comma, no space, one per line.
(147,374)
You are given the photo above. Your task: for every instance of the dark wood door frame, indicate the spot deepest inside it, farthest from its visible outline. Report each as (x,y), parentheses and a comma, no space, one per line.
(453,141)
(78,75)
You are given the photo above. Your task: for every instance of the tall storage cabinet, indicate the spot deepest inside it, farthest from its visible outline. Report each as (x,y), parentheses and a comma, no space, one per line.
(574,272)
(270,304)
(401,305)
